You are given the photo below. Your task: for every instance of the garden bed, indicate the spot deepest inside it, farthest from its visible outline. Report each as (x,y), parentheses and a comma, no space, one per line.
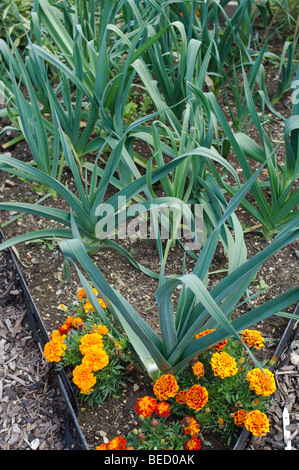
(42,265)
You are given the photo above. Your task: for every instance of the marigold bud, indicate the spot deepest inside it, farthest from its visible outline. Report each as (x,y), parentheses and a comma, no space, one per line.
(154,423)
(142,437)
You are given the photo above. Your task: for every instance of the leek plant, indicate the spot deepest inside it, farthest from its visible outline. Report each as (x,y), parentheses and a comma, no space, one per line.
(197,309)
(282,206)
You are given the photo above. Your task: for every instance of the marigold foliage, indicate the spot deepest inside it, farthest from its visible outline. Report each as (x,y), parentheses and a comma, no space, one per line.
(165,387)
(223,365)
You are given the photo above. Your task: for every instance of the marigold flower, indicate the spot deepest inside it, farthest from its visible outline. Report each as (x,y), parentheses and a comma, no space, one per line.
(257,423)
(192,444)
(87,307)
(196,397)
(262,383)
(180,397)
(253,338)
(191,426)
(76,322)
(81,293)
(102,303)
(118,443)
(198,369)
(145,406)
(162,409)
(84,378)
(101,329)
(53,350)
(219,346)
(220,422)
(165,387)
(96,358)
(64,329)
(223,365)
(90,339)
(103,446)
(239,417)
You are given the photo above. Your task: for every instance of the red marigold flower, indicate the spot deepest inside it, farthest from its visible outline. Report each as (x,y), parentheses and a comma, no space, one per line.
(162,409)
(145,406)
(196,397)
(166,386)
(118,443)
(192,444)
(180,397)
(240,417)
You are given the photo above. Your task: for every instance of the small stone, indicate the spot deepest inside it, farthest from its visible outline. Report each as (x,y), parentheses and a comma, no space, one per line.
(135,387)
(35,444)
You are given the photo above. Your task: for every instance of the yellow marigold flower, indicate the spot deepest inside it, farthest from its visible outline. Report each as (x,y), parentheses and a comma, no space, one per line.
(165,387)
(53,350)
(198,369)
(56,336)
(102,303)
(239,417)
(262,383)
(84,378)
(253,338)
(218,346)
(90,339)
(196,397)
(101,329)
(223,365)
(76,322)
(96,358)
(87,307)
(257,423)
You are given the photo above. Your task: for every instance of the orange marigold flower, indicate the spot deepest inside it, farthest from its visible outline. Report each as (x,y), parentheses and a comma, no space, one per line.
(198,369)
(87,307)
(64,329)
(90,339)
(253,338)
(196,397)
(96,358)
(262,382)
(118,443)
(81,293)
(101,329)
(145,406)
(239,417)
(223,365)
(76,322)
(84,378)
(180,397)
(218,346)
(165,387)
(103,446)
(162,409)
(102,303)
(53,350)
(191,426)
(257,423)
(192,444)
